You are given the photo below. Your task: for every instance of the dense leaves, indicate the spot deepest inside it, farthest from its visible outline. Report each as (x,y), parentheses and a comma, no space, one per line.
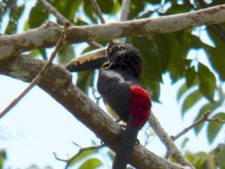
(211,160)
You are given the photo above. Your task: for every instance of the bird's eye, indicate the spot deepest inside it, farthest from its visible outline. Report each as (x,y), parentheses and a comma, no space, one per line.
(109,50)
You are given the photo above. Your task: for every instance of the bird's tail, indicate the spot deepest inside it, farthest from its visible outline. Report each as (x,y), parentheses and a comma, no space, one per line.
(125,146)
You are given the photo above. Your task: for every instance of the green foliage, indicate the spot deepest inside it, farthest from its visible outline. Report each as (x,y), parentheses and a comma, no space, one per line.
(37,16)
(207,82)
(211,160)
(190,101)
(214,127)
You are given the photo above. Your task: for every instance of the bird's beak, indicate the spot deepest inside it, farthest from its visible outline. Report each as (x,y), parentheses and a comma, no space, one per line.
(91,60)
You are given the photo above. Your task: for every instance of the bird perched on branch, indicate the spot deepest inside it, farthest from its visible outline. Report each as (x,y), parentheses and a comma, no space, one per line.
(120,87)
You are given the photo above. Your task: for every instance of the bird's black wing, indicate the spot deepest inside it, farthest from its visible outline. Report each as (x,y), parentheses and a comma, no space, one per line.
(115,92)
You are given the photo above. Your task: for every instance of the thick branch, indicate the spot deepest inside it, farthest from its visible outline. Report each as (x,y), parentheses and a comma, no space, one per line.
(57,82)
(48,34)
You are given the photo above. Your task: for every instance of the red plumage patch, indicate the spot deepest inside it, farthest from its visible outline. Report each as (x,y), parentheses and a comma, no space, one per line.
(140,104)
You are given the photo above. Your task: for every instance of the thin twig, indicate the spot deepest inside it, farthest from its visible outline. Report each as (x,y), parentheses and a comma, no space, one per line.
(63,20)
(81,150)
(204,118)
(97,10)
(59,159)
(216,120)
(184,131)
(38,77)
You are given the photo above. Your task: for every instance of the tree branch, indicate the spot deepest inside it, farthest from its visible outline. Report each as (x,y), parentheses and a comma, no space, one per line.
(125,10)
(48,34)
(57,82)
(97,10)
(168,142)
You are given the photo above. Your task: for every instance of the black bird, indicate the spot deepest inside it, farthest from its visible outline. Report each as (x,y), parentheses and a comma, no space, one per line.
(120,87)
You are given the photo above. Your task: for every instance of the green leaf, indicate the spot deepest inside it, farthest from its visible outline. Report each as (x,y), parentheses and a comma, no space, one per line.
(183,88)
(216,54)
(179,8)
(89,11)
(190,76)
(207,82)
(67,8)
(208,107)
(37,16)
(178,50)
(148,49)
(91,164)
(184,142)
(163,48)
(215,127)
(190,101)
(83,155)
(219,155)
(136,7)
(66,54)
(106,6)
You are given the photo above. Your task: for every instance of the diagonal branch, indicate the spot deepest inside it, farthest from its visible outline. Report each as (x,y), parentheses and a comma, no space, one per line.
(168,142)
(48,34)
(57,82)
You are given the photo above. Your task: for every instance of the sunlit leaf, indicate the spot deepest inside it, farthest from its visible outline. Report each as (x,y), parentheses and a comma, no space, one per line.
(83,155)
(91,164)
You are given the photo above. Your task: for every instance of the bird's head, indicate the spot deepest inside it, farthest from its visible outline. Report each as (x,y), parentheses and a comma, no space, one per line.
(125,56)
(117,55)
